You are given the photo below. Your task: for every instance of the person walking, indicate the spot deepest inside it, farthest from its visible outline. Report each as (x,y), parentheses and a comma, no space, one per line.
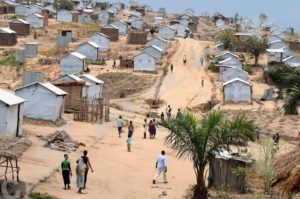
(172,67)
(114,64)
(145,125)
(161,167)
(130,129)
(202,82)
(154,128)
(169,111)
(120,125)
(80,172)
(66,171)
(87,162)
(150,129)
(179,113)
(276,138)
(162,117)
(298,139)
(202,60)
(184,60)
(257,133)
(129,139)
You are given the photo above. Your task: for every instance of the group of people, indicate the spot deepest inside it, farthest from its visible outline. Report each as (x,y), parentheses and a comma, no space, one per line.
(82,169)
(151,127)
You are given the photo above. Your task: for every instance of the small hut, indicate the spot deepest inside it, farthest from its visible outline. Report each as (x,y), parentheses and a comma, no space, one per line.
(8,37)
(154,51)
(144,62)
(122,26)
(11,114)
(167,32)
(101,40)
(44,101)
(221,171)
(111,31)
(95,86)
(137,37)
(90,50)
(20,26)
(237,91)
(37,20)
(126,62)
(74,86)
(73,63)
(159,42)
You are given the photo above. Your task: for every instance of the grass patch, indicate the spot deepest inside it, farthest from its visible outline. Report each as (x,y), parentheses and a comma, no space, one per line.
(51,52)
(10,60)
(34,195)
(100,62)
(248,69)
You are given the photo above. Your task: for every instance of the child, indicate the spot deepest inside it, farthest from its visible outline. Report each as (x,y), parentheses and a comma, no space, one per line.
(129,144)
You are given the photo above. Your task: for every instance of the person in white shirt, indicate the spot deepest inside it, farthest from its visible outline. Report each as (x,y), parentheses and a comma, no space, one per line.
(161,166)
(120,125)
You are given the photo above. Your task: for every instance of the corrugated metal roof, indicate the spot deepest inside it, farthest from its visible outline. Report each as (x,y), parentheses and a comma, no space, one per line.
(155,47)
(144,53)
(20,20)
(53,88)
(10,99)
(92,78)
(7,30)
(101,34)
(234,80)
(93,44)
(78,55)
(48,86)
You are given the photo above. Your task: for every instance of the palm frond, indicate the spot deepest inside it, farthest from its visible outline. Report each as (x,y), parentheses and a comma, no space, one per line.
(292,100)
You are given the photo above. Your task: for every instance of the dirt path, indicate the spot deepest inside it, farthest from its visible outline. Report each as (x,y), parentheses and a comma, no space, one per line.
(182,88)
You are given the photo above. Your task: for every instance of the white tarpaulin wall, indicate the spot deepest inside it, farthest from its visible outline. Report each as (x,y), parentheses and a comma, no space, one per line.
(10,121)
(41,103)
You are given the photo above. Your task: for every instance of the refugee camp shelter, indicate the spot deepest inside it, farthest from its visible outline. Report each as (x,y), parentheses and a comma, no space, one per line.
(101,40)
(111,31)
(154,51)
(31,49)
(74,86)
(20,26)
(90,50)
(225,55)
(231,62)
(44,101)
(73,63)
(232,73)
(23,10)
(184,22)
(95,86)
(137,37)
(144,62)
(37,20)
(11,114)
(67,16)
(292,61)
(7,7)
(137,24)
(158,20)
(181,30)
(103,17)
(273,39)
(167,32)
(237,91)
(221,171)
(8,37)
(112,9)
(84,18)
(159,42)
(122,26)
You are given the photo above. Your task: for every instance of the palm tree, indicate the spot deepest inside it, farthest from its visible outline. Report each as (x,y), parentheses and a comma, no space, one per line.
(198,139)
(288,80)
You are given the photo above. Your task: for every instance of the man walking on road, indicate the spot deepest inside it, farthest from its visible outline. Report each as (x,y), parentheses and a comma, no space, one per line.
(120,125)
(202,60)
(86,161)
(172,67)
(161,167)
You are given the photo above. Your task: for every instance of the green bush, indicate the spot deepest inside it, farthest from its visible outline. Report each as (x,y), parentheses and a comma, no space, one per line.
(248,69)
(213,67)
(10,60)
(97,62)
(40,196)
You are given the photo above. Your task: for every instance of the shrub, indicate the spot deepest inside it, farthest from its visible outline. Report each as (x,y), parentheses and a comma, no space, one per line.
(97,62)
(248,69)
(10,60)
(213,67)
(40,196)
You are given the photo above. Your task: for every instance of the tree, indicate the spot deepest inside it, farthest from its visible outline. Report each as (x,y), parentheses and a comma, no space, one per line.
(255,46)
(199,139)
(227,37)
(63,4)
(262,19)
(288,80)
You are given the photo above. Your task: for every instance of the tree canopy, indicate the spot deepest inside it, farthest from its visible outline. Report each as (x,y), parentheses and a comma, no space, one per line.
(199,139)
(255,46)
(227,37)
(63,4)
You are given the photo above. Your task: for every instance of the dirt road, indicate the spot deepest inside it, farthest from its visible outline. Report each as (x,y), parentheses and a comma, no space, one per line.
(183,88)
